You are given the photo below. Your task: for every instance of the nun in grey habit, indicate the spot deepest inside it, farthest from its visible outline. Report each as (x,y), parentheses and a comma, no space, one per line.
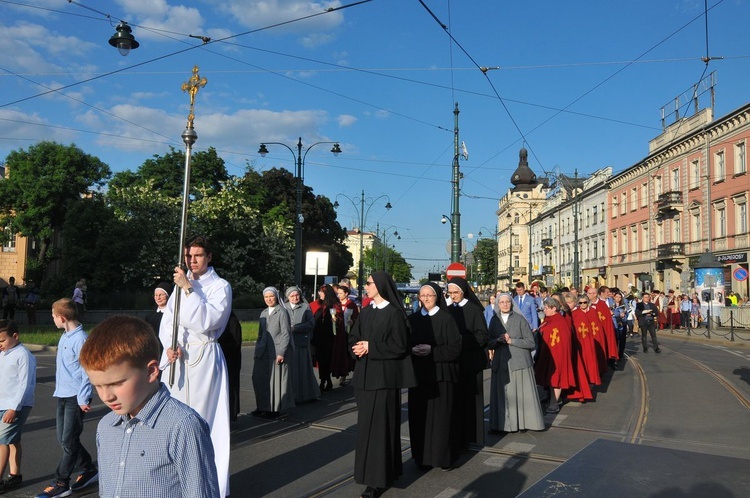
(272,376)
(304,382)
(514,401)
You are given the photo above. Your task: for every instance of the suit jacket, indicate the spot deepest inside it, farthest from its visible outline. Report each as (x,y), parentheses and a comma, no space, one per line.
(527,309)
(642,319)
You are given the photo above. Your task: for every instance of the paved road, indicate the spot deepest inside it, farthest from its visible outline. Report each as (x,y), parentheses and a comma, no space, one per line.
(694,396)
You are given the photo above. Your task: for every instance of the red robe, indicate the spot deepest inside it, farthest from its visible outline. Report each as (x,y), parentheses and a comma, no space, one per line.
(605,316)
(585,322)
(554,366)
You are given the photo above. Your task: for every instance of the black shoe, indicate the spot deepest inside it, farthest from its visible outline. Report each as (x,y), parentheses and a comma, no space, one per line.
(10,482)
(85,478)
(271,415)
(257,413)
(370,492)
(657,350)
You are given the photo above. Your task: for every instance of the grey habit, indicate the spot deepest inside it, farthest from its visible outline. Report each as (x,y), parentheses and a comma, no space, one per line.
(304,381)
(272,381)
(514,401)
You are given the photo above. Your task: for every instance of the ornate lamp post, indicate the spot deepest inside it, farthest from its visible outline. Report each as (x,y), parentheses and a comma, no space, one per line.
(299,159)
(364,202)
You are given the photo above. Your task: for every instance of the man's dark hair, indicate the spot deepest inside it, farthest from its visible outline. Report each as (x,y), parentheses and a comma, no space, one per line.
(520,285)
(199,241)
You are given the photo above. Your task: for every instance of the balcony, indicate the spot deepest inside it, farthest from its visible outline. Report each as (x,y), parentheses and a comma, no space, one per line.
(547,244)
(669,203)
(548,270)
(670,251)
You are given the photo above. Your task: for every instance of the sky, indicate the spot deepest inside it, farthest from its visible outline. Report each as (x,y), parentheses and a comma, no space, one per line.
(580,84)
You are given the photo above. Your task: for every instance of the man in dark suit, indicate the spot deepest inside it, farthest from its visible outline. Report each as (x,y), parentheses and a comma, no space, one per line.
(647,314)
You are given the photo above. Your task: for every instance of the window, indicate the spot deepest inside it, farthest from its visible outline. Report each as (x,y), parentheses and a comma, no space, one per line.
(623,203)
(676,179)
(720,172)
(740,165)
(596,249)
(634,233)
(740,212)
(634,199)
(644,195)
(677,234)
(588,250)
(695,174)
(517,218)
(659,233)
(720,219)
(644,236)
(615,205)
(614,243)
(595,215)
(602,219)
(696,230)
(657,186)
(588,216)
(624,240)
(10,244)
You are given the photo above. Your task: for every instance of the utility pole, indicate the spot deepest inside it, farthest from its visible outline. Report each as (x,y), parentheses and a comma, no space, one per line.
(455,213)
(576,272)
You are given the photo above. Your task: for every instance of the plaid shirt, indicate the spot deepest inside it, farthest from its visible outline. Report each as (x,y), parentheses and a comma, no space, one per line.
(164,451)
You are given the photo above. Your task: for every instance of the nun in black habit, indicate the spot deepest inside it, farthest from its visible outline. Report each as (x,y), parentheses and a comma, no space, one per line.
(468,312)
(379,341)
(435,348)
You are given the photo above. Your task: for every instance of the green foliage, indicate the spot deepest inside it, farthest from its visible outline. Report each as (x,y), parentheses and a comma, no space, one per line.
(392,262)
(485,262)
(42,183)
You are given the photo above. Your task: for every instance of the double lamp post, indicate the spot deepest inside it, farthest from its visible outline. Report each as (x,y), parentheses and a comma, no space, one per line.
(299,159)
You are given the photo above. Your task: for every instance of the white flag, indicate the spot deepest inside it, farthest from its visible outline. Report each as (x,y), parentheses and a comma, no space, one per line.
(464,151)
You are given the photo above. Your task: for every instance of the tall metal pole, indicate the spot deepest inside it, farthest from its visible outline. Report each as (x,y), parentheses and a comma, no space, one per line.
(189,136)
(529,250)
(511,268)
(455,213)
(361,277)
(298,220)
(576,279)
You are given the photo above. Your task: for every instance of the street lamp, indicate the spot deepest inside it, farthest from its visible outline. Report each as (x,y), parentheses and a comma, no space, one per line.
(368,203)
(123,39)
(299,159)
(384,244)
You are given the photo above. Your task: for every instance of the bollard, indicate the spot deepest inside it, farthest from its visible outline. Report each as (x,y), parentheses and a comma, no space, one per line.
(731,325)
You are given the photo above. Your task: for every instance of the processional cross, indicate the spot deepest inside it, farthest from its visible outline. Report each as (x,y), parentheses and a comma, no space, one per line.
(192,86)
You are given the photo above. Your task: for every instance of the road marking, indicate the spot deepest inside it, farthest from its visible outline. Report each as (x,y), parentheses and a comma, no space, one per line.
(502,461)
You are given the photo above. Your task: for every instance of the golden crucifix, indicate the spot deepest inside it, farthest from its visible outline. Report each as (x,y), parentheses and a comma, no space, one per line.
(192,86)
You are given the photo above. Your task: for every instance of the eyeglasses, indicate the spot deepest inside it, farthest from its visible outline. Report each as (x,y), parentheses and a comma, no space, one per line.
(369,283)
(583,302)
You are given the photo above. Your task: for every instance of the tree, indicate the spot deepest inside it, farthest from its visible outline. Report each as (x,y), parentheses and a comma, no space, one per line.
(394,263)
(485,257)
(167,173)
(40,185)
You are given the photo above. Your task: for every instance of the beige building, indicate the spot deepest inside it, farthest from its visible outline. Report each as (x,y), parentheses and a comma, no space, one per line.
(356,243)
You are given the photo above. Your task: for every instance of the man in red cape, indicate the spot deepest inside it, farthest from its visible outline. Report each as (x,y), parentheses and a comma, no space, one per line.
(599,303)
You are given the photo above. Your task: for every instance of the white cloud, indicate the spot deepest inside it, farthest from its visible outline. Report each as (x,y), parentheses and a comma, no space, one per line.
(346,120)
(255,14)
(25,48)
(381,114)
(159,15)
(20,130)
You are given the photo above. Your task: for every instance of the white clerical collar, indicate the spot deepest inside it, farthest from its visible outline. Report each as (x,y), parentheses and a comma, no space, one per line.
(431,312)
(463,302)
(382,304)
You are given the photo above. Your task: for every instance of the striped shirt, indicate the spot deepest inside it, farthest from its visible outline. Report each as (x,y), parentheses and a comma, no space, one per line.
(164,451)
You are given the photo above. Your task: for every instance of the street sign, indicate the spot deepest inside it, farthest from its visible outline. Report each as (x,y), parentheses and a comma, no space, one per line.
(455,270)
(740,274)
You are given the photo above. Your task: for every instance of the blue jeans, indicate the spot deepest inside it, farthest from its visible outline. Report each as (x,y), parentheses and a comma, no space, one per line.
(69,429)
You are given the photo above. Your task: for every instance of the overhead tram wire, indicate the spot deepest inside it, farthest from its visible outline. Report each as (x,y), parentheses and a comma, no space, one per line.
(188,49)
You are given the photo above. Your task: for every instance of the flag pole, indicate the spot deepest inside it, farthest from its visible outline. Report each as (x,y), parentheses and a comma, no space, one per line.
(189,136)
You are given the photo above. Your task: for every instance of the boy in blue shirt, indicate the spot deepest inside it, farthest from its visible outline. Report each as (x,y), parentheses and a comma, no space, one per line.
(73,393)
(18,378)
(151,444)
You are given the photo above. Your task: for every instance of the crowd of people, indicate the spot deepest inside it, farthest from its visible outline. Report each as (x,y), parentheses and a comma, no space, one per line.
(172,381)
